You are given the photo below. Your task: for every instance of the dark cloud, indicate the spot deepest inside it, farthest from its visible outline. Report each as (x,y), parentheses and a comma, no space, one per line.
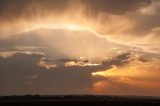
(21,74)
(118,60)
(31,8)
(146,23)
(114,6)
(16,9)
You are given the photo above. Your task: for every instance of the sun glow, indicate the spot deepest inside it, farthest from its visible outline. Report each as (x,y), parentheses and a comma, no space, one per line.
(72,27)
(117,72)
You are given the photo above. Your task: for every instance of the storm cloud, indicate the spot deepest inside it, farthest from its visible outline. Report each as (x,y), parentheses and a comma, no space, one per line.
(139,18)
(79,46)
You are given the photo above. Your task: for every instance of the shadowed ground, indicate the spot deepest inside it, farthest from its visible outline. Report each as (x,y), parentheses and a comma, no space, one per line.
(79,100)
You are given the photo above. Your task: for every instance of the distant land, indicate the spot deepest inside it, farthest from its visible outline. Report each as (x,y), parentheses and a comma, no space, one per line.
(78,100)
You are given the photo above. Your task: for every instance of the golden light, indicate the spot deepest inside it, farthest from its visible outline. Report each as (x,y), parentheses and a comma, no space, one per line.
(117,72)
(72,27)
(69,64)
(46,65)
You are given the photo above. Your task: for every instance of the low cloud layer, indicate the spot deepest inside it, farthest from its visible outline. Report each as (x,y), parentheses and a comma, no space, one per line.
(22,74)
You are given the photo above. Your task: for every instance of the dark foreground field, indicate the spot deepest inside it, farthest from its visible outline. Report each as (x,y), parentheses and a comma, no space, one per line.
(79,100)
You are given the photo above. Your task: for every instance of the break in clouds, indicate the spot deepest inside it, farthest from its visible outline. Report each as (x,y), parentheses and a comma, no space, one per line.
(79,47)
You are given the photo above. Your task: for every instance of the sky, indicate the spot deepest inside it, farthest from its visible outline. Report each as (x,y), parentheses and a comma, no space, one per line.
(99,47)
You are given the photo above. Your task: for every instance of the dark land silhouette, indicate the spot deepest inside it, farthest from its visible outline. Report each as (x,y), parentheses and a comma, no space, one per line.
(78,100)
